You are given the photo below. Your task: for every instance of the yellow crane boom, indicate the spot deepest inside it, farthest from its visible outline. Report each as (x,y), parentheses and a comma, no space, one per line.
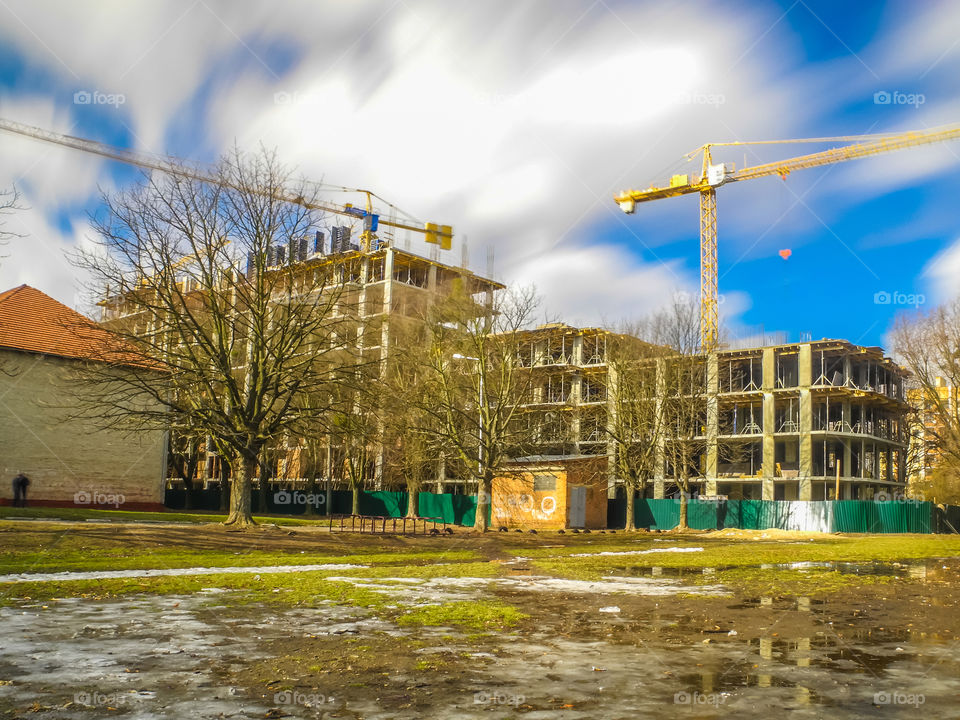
(714,175)
(441,235)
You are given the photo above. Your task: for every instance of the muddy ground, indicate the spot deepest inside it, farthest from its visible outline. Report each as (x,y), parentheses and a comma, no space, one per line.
(655,642)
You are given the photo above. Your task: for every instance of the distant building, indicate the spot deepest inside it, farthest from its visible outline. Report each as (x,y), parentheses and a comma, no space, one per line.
(924,452)
(782,422)
(69,462)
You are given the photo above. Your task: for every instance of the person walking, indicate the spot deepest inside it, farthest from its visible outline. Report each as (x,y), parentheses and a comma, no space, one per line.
(20,484)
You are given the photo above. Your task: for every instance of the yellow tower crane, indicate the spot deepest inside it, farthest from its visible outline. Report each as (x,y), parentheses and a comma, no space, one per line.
(713,176)
(441,235)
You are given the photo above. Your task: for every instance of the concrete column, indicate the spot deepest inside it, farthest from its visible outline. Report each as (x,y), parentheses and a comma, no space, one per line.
(769,424)
(713,421)
(611,443)
(660,452)
(805,367)
(387,300)
(845,415)
(441,474)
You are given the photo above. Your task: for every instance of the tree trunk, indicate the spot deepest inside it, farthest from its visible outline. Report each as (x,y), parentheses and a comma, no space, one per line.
(241,484)
(480,524)
(312,489)
(264,487)
(224,485)
(356,500)
(682,525)
(187,493)
(190,472)
(631,505)
(413,491)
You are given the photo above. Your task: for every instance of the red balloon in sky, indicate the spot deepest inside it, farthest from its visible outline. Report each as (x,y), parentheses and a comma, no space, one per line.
(786,253)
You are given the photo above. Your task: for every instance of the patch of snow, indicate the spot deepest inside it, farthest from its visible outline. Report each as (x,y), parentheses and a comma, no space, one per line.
(640,552)
(170,572)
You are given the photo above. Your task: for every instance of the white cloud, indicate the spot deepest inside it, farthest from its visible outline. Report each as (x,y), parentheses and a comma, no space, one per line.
(514,122)
(942,273)
(601,284)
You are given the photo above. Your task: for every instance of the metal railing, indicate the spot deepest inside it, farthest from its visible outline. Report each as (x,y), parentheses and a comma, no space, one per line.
(379,524)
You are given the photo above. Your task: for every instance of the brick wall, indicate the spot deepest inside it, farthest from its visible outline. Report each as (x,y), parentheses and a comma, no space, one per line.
(66,458)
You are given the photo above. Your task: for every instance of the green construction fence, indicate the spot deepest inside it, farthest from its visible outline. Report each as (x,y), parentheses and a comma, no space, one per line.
(848,516)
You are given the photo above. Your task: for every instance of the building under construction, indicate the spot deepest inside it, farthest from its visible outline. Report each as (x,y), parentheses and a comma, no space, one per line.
(802,421)
(380,291)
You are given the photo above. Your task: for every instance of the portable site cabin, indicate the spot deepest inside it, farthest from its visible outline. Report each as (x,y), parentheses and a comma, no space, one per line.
(551,493)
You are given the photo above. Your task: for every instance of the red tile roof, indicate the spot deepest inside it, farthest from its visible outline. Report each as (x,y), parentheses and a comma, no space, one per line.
(32,321)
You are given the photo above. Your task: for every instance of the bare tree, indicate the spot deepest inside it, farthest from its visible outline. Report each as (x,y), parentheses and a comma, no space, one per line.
(636,420)
(411,434)
(928,345)
(9,203)
(183,452)
(213,332)
(685,371)
(475,385)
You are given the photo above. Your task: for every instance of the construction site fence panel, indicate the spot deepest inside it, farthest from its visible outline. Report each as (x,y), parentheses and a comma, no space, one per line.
(847,516)
(452,509)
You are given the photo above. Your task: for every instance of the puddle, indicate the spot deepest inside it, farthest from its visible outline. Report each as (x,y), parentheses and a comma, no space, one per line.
(171,657)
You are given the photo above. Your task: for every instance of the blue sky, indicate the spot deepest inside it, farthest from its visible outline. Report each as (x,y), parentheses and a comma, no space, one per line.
(516,123)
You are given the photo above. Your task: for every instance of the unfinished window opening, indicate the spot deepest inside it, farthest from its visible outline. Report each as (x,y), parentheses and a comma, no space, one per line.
(592,390)
(829,370)
(788,370)
(592,427)
(787,415)
(742,375)
(558,351)
(786,455)
(408,274)
(556,389)
(594,349)
(552,427)
(742,419)
(741,459)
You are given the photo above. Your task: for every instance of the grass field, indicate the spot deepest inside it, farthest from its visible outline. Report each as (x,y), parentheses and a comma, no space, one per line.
(738,563)
(133,516)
